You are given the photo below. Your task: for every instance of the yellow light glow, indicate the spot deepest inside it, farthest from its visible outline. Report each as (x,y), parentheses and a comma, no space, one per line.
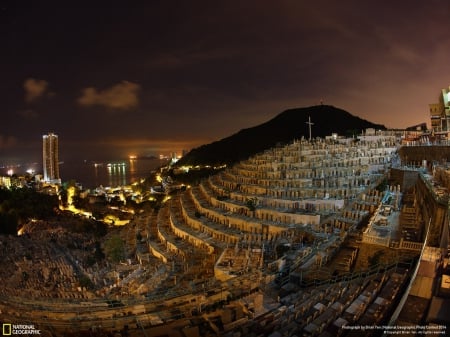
(70,195)
(113,220)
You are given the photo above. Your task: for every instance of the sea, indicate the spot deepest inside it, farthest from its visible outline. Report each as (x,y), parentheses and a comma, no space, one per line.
(92,174)
(110,173)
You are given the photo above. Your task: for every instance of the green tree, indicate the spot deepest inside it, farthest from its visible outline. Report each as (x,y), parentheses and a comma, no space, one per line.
(375,259)
(8,223)
(138,237)
(63,195)
(382,186)
(85,282)
(251,204)
(18,205)
(115,248)
(98,252)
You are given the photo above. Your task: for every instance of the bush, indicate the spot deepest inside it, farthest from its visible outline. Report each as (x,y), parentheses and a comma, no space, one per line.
(86,282)
(115,248)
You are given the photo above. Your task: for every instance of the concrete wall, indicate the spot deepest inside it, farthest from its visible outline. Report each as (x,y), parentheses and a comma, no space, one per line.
(431,208)
(406,179)
(416,154)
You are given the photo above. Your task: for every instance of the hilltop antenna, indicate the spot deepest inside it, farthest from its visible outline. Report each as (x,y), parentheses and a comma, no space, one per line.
(309,123)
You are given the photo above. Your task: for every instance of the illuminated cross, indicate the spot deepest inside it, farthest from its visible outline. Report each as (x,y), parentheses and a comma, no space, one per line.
(309,123)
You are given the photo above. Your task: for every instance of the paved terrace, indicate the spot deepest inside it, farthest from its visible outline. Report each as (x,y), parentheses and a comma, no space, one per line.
(204,222)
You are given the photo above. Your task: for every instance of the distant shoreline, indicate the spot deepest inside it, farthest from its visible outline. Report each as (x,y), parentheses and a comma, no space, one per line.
(90,175)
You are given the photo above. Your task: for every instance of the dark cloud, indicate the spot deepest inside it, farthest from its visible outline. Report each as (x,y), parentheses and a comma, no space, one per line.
(199,71)
(122,96)
(34,89)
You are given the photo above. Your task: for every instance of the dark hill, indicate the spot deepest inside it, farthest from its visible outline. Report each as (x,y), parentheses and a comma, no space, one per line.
(283,129)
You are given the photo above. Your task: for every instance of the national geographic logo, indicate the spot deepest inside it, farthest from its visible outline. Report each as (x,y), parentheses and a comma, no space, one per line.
(6,330)
(9,329)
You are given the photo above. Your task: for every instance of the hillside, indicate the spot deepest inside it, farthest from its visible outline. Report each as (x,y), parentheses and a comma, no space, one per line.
(282,129)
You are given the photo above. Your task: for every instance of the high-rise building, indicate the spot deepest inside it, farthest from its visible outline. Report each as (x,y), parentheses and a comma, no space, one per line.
(50,159)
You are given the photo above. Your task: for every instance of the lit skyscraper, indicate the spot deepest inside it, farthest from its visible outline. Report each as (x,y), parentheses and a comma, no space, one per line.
(50,158)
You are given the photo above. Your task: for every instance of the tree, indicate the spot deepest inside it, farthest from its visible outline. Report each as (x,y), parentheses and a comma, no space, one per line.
(115,248)
(98,252)
(138,237)
(85,282)
(251,204)
(375,259)
(63,196)
(8,223)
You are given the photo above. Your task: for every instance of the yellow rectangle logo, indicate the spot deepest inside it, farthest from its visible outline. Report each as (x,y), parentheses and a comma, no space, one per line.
(6,329)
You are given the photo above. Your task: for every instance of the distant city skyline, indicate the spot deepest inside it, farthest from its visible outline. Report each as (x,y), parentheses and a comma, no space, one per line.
(155,77)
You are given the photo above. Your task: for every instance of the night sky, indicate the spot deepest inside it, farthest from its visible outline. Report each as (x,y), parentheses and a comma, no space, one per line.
(154,77)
